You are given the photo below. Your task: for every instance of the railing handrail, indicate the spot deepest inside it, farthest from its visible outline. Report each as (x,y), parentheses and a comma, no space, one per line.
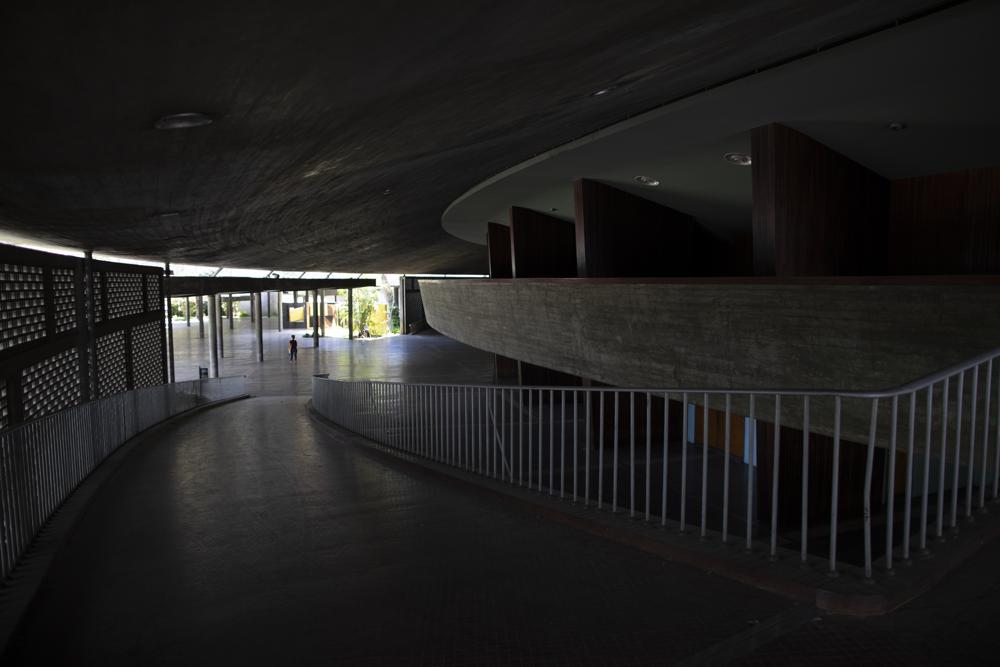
(51,415)
(901,390)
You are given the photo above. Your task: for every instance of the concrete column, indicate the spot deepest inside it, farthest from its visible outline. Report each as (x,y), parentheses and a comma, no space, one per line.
(230,310)
(402,305)
(255,299)
(171,377)
(350,313)
(187,309)
(201,315)
(315,318)
(217,298)
(281,315)
(214,334)
(268,305)
(253,309)
(322,312)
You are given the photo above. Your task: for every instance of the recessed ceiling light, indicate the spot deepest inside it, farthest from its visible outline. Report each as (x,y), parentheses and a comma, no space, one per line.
(742,159)
(167,214)
(183,121)
(647,180)
(387,191)
(603,91)
(896,126)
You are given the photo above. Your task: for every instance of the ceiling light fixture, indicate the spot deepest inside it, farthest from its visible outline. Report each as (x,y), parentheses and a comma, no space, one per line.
(387,191)
(167,214)
(647,180)
(741,159)
(603,91)
(183,121)
(896,126)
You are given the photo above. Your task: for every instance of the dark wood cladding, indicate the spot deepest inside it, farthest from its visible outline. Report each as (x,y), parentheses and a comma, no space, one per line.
(815,212)
(498,249)
(541,246)
(946,223)
(621,235)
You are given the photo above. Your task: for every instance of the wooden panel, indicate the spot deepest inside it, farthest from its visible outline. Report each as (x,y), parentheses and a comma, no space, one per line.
(946,223)
(541,246)
(621,235)
(717,430)
(815,212)
(498,247)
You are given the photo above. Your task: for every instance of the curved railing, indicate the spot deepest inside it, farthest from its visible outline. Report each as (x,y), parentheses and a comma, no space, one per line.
(569,440)
(43,461)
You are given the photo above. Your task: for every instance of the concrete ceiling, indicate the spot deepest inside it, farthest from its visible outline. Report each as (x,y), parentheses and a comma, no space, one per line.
(342,130)
(935,74)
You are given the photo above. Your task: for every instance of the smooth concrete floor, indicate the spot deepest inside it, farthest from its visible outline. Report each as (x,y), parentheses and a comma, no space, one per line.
(424,357)
(248,535)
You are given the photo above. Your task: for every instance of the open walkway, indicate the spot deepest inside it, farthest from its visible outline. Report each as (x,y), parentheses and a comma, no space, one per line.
(425,357)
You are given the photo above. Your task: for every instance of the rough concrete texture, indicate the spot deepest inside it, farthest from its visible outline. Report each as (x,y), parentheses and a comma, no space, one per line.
(767,335)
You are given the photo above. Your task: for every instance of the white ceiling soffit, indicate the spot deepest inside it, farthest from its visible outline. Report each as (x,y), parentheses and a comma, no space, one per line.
(936,75)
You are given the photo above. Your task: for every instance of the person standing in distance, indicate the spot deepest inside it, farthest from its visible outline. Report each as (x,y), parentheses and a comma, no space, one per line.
(293,350)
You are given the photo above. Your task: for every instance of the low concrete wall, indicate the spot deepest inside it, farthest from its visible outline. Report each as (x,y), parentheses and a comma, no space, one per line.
(838,334)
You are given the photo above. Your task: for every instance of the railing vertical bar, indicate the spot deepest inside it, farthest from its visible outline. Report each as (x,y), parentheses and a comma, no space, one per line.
(727,446)
(835,484)
(631,450)
(927,466)
(586,453)
(986,433)
(944,457)
(562,444)
(600,455)
(868,489)
(908,491)
(891,483)
(704,465)
(958,449)
(649,446)
(804,540)
(972,441)
(552,439)
(684,449)
(576,442)
(614,463)
(775,470)
(666,459)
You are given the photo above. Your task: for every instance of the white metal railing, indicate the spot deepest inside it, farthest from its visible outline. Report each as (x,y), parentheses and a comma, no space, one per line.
(43,461)
(558,440)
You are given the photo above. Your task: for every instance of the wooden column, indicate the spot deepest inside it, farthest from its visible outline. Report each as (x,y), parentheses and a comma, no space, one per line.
(946,223)
(621,235)
(541,246)
(498,247)
(815,212)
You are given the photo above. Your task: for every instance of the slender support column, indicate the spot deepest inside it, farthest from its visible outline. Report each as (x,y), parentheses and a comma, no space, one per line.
(281,312)
(214,334)
(403,329)
(315,318)
(171,377)
(322,312)
(217,298)
(187,310)
(253,309)
(230,310)
(268,305)
(255,299)
(350,313)
(201,315)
